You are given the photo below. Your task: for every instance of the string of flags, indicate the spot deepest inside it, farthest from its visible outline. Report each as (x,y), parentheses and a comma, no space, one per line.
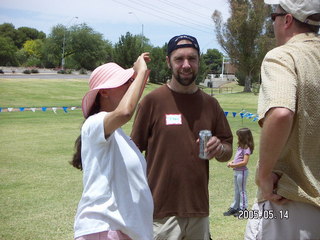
(243,114)
(43,109)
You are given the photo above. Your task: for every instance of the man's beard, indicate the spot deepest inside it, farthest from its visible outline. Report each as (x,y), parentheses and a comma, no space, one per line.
(185,81)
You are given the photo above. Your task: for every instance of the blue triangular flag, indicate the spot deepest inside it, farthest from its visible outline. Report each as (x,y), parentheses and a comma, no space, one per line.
(44,109)
(226,113)
(234,114)
(65,109)
(21,109)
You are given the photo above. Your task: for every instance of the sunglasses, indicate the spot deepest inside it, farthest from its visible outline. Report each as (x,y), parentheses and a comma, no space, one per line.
(275,15)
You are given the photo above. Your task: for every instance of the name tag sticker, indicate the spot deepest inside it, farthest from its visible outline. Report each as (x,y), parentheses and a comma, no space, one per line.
(173,119)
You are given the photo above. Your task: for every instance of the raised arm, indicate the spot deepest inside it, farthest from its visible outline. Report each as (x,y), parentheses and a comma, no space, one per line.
(125,110)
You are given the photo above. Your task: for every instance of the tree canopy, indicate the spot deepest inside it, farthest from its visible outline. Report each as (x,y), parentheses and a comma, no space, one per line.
(245,36)
(80,47)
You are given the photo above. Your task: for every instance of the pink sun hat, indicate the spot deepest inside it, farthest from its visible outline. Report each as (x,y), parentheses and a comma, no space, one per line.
(109,75)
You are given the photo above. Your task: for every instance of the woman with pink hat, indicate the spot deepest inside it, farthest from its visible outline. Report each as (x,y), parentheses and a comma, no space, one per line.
(116,202)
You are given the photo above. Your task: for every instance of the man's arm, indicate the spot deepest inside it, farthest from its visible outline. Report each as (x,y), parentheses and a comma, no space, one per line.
(274,135)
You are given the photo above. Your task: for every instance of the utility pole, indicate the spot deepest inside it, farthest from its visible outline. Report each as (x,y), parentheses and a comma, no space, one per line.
(64,44)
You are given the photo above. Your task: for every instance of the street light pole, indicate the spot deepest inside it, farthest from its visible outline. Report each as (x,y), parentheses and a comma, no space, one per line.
(223,57)
(142,36)
(64,44)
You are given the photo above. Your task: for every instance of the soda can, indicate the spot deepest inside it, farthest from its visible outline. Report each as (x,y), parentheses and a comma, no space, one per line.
(204,136)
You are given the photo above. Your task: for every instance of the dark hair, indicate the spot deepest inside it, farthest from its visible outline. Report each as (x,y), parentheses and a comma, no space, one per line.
(245,139)
(311,28)
(76,159)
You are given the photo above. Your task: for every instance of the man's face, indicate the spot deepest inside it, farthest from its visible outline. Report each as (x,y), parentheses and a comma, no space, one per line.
(184,63)
(278,28)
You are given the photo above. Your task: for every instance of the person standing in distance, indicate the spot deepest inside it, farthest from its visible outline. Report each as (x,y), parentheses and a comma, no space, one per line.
(166,127)
(288,173)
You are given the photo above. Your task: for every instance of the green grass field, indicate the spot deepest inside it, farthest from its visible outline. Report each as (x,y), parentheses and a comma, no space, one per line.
(39,190)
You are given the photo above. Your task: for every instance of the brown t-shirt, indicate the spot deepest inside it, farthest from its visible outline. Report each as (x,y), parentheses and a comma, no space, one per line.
(166,126)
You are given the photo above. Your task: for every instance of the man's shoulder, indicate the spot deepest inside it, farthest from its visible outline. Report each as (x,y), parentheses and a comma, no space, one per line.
(296,45)
(156,93)
(207,97)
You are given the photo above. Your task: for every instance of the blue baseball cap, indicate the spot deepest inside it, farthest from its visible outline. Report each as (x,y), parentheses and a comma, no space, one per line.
(173,43)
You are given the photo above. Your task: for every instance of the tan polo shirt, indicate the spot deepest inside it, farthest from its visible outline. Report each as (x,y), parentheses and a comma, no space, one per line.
(291,79)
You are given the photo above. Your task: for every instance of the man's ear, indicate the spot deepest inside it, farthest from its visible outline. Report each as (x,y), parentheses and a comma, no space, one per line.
(168,62)
(288,20)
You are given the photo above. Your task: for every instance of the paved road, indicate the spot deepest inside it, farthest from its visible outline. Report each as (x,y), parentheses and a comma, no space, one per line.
(45,76)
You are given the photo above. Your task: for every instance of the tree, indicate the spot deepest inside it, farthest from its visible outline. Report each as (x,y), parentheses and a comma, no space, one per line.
(213,60)
(21,35)
(7,52)
(87,48)
(80,46)
(160,72)
(8,30)
(127,50)
(32,50)
(53,47)
(25,33)
(244,36)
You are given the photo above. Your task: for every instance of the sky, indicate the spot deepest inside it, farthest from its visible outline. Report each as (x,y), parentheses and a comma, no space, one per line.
(158,20)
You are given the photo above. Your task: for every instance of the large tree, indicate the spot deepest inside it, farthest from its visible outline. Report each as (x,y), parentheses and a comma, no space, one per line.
(244,36)
(79,45)
(213,60)
(87,47)
(128,48)
(7,52)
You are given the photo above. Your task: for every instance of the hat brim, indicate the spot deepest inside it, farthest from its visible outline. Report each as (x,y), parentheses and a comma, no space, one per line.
(271,2)
(117,80)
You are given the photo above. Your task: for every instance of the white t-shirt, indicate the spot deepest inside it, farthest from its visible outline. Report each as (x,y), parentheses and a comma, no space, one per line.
(116,195)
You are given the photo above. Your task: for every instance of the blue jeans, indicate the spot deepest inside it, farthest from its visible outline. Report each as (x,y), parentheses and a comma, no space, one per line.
(240,193)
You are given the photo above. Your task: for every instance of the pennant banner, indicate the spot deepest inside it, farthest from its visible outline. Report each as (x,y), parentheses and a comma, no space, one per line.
(33,109)
(243,114)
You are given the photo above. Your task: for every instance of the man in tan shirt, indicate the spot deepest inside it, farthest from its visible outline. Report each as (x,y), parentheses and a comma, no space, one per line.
(288,174)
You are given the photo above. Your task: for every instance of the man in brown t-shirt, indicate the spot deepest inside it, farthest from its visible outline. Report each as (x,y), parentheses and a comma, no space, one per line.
(167,127)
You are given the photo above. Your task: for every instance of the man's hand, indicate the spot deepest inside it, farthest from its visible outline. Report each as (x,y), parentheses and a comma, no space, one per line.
(268,186)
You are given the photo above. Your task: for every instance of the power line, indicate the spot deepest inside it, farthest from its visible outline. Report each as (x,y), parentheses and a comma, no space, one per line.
(156,13)
(170,14)
(193,12)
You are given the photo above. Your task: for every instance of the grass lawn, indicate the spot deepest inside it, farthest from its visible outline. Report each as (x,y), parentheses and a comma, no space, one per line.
(39,190)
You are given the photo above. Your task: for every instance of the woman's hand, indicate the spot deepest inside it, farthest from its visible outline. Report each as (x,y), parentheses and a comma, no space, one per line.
(140,64)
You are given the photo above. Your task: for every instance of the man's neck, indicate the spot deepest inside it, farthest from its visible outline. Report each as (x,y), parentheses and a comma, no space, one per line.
(175,86)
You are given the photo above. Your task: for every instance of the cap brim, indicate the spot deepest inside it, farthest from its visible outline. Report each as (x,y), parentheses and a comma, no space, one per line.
(271,2)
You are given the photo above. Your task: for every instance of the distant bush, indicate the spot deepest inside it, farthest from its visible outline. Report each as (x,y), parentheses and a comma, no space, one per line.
(34,70)
(255,88)
(63,71)
(1,71)
(82,71)
(27,71)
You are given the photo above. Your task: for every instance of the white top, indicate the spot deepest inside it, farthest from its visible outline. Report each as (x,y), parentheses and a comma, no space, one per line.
(115,195)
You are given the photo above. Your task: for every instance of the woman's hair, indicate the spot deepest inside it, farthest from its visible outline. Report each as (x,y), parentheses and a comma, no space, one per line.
(76,159)
(245,139)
